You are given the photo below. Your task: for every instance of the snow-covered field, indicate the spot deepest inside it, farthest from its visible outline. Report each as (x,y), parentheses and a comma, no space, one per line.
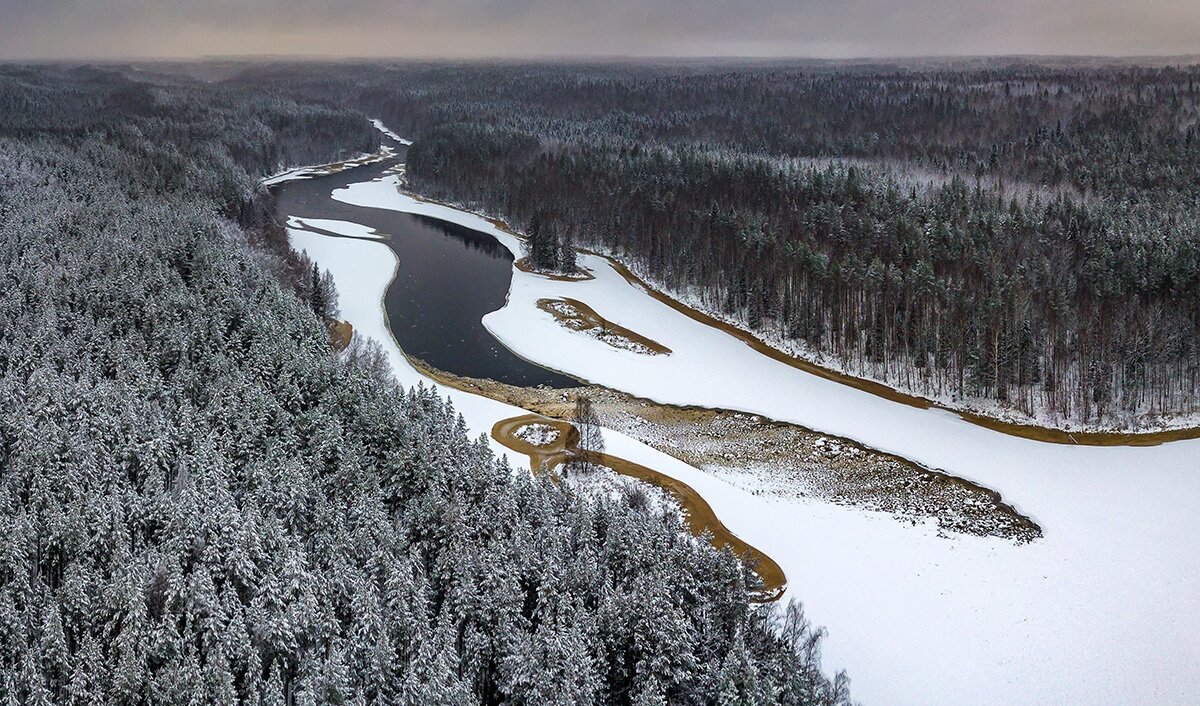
(346,228)
(1104,609)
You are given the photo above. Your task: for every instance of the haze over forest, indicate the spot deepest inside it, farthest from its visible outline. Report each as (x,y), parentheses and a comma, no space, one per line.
(530,28)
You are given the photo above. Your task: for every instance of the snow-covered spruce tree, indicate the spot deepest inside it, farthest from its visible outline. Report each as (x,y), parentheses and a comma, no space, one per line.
(547,248)
(202,503)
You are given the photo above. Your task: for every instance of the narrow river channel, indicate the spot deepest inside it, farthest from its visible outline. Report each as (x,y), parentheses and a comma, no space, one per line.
(449,277)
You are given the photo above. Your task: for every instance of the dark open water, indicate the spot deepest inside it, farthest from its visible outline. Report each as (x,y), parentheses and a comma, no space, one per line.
(449,278)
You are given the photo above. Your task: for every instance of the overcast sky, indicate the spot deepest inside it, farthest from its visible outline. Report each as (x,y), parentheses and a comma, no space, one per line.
(528,28)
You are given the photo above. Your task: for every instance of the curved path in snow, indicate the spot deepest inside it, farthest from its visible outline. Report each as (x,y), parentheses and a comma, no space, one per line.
(697,512)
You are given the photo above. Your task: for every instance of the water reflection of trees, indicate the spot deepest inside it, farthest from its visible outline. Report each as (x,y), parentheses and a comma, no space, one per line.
(471,239)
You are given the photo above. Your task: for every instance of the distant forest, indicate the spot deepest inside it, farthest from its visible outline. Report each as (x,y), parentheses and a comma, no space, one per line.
(201,502)
(1014,238)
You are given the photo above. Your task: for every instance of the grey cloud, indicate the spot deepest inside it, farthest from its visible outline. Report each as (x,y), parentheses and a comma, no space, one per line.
(113,28)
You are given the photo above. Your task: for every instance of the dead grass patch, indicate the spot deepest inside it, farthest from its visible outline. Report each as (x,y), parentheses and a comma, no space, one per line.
(577,316)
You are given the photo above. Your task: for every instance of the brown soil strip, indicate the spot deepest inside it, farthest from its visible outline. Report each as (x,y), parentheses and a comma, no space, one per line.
(542,459)
(698,513)
(340,333)
(577,316)
(523,265)
(1025,431)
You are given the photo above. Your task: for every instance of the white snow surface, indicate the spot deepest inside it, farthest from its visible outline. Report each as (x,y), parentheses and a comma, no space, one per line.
(290,175)
(384,129)
(346,228)
(1104,609)
(298,173)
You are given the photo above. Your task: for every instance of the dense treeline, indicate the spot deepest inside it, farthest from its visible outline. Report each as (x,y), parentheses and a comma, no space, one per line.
(1072,293)
(201,502)
(1054,305)
(1017,237)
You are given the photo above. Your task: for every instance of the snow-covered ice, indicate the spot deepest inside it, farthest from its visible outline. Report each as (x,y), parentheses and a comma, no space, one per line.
(290,175)
(384,129)
(299,173)
(1104,609)
(346,228)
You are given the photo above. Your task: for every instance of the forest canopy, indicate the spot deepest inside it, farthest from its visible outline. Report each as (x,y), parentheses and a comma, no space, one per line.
(1016,238)
(201,501)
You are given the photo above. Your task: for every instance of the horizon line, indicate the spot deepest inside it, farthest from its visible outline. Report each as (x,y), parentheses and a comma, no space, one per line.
(1191,57)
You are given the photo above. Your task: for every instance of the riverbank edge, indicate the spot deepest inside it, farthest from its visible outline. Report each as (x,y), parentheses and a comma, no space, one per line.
(692,504)
(1033,432)
(701,519)
(480,387)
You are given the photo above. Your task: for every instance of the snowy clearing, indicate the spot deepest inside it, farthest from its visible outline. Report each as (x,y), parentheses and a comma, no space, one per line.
(603,482)
(1104,609)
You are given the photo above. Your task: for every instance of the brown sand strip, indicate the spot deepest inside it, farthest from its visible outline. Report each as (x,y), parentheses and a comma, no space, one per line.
(585,318)
(340,333)
(524,266)
(1025,431)
(698,513)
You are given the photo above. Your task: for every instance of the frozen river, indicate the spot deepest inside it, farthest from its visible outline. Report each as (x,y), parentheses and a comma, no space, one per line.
(1103,609)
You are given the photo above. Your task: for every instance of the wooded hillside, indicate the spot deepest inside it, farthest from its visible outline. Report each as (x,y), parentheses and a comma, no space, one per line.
(1016,238)
(201,502)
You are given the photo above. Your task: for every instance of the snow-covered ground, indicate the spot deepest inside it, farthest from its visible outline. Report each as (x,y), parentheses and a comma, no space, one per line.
(310,172)
(1104,609)
(538,434)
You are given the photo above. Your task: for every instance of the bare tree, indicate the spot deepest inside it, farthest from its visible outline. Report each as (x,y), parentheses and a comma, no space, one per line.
(591,441)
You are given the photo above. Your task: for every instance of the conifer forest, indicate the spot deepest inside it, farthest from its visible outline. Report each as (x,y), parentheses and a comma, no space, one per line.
(211,493)
(1017,238)
(202,502)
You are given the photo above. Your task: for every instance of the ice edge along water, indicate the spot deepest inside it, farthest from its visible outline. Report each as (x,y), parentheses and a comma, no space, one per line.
(1104,609)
